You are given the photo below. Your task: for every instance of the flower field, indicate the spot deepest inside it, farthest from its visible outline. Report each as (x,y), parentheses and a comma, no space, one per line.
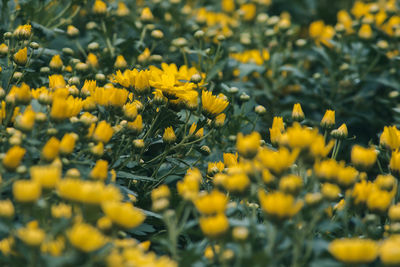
(199,133)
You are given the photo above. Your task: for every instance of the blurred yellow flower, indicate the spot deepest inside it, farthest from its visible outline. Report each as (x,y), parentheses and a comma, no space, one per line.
(354,250)
(26,191)
(279,205)
(46,175)
(248,145)
(13,157)
(31,235)
(123,214)
(86,237)
(21,56)
(214,226)
(211,203)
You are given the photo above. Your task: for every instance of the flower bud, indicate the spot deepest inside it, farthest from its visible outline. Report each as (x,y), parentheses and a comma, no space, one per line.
(260,110)
(34,45)
(297,113)
(72,31)
(21,57)
(93,46)
(157,34)
(340,133)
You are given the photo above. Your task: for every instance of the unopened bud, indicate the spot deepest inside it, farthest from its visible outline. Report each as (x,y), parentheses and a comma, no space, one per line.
(260,110)
(34,45)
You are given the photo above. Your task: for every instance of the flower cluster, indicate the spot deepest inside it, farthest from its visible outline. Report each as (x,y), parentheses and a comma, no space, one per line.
(166,133)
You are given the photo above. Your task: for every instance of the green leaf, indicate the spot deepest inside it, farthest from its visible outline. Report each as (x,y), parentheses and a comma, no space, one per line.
(127,175)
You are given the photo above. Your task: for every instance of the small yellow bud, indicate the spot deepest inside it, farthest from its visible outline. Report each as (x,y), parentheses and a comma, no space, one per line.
(21,57)
(297,113)
(169,135)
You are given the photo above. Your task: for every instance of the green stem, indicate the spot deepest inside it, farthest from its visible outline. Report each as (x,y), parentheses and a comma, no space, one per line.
(108,41)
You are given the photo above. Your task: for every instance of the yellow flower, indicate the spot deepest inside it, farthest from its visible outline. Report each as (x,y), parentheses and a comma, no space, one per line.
(31,235)
(3,49)
(219,120)
(53,247)
(188,188)
(389,251)
(394,163)
(120,62)
(104,223)
(90,192)
(212,105)
(240,233)
(248,145)
(86,237)
(248,11)
(361,192)
(67,143)
(22,94)
(46,175)
(6,245)
(290,184)
(26,121)
(92,60)
(100,170)
(103,132)
(137,125)
(297,113)
(123,214)
(237,182)
(6,208)
(13,157)
(214,226)
(56,62)
(394,212)
(354,250)
(365,31)
(97,150)
(169,135)
(61,211)
(21,56)
(72,31)
(340,133)
(160,192)
(142,84)
(211,203)
(276,131)
(330,191)
(364,157)
(23,31)
(328,121)
(327,169)
(390,137)
(50,149)
(215,167)
(26,191)
(318,148)
(346,176)
(146,14)
(299,136)
(228,5)
(313,198)
(279,205)
(130,111)
(379,200)
(277,161)
(230,159)
(99,7)
(122,10)
(63,108)
(56,81)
